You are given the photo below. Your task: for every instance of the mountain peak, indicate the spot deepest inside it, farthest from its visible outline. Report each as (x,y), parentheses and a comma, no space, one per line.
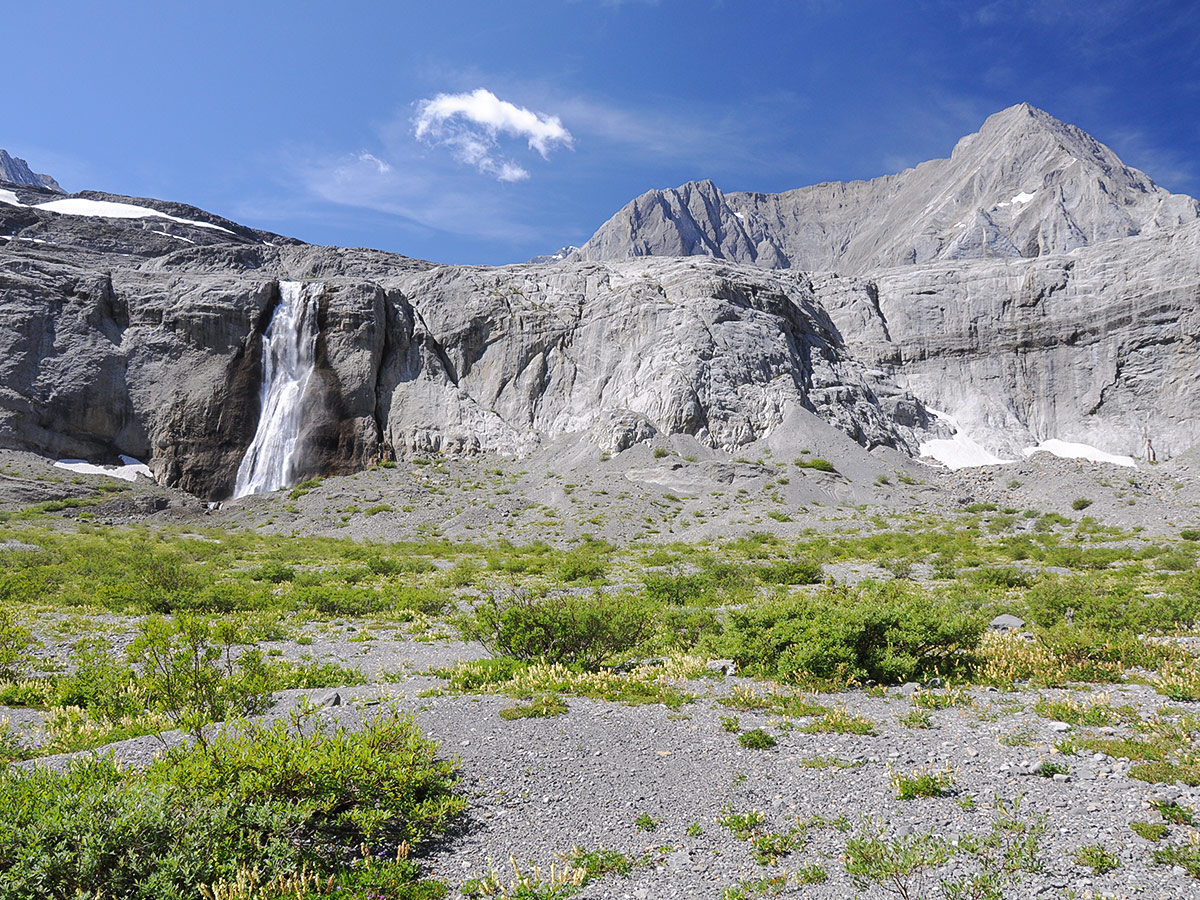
(16,171)
(1024,185)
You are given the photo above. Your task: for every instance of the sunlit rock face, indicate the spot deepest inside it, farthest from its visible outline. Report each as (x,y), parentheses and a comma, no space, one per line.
(1024,185)
(149,332)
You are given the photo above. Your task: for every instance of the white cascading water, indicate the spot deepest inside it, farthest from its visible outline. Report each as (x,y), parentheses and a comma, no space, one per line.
(289,352)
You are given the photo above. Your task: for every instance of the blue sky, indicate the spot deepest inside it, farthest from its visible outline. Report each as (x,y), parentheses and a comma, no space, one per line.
(364,124)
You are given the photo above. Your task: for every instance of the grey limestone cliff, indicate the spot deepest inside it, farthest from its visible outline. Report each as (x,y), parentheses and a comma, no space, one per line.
(156,353)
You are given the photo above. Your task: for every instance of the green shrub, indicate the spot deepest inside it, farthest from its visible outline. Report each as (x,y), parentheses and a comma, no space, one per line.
(582,565)
(890,633)
(821,465)
(1097,859)
(756,739)
(645,822)
(189,674)
(598,863)
(1080,503)
(263,799)
(1002,577)
(1188,858)
(1111,605)
(339,600)
(1151,831)
(790,571)
(100,682)
(683,628)
(14,641)
(274,572)
(1174,813)
(925,782)
(573,630)
(1050,768)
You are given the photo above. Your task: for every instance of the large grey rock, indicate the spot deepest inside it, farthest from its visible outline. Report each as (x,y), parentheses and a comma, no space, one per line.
(160,358)
(500,360)
(1025,185)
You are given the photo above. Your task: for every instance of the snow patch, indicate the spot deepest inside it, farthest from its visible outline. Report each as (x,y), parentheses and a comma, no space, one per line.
(129,469)
(960,451)
(741,216)
(77,206)
(1068,450)
(1023,197)
(10,198)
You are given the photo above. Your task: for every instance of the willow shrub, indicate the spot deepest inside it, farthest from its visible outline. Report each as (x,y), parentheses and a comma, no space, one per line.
(889,633)
(584,631)
(264,799)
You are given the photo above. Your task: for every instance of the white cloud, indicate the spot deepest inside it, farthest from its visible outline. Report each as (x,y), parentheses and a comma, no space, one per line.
(470,126)
(380,166)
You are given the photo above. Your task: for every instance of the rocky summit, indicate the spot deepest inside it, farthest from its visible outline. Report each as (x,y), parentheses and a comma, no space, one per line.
(17,171)
(1030,288)
(1024,185)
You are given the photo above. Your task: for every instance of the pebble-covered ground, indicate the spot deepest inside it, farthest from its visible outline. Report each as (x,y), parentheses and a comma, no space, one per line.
(654,782)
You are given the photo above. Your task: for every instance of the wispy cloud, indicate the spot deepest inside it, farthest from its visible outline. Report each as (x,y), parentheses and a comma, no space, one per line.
(414,189)
(406,171)
(470,126)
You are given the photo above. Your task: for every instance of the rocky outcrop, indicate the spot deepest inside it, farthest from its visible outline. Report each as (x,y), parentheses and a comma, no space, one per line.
(16,171)
(500,360)
(1100,345)
(1025,185)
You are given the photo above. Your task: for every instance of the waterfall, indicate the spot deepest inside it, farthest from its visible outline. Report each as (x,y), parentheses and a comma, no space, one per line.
(289,351)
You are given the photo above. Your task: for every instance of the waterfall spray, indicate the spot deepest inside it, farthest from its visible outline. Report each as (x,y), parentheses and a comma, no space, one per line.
(289,353)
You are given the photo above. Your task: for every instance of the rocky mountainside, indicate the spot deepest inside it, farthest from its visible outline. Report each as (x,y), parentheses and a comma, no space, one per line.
(119,336)
(1025,185)
(138,327)
(17,171)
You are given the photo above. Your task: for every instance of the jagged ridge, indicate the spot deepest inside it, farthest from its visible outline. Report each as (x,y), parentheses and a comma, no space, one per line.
(16,171)
(1025,185)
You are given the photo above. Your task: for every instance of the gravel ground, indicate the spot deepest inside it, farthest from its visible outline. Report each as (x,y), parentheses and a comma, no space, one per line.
(539,787)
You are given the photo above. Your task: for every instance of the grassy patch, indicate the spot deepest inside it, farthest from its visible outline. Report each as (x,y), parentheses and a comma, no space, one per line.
(1151,831)
(1096,858)
(539,708)
(756,739)
(840,720)
(924,782)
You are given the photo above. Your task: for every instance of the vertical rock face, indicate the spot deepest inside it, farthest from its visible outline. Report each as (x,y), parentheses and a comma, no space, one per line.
(1100,345)
(501,360)
(1025,185)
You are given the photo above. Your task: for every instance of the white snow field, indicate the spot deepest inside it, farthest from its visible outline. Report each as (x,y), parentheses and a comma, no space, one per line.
(129,469)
